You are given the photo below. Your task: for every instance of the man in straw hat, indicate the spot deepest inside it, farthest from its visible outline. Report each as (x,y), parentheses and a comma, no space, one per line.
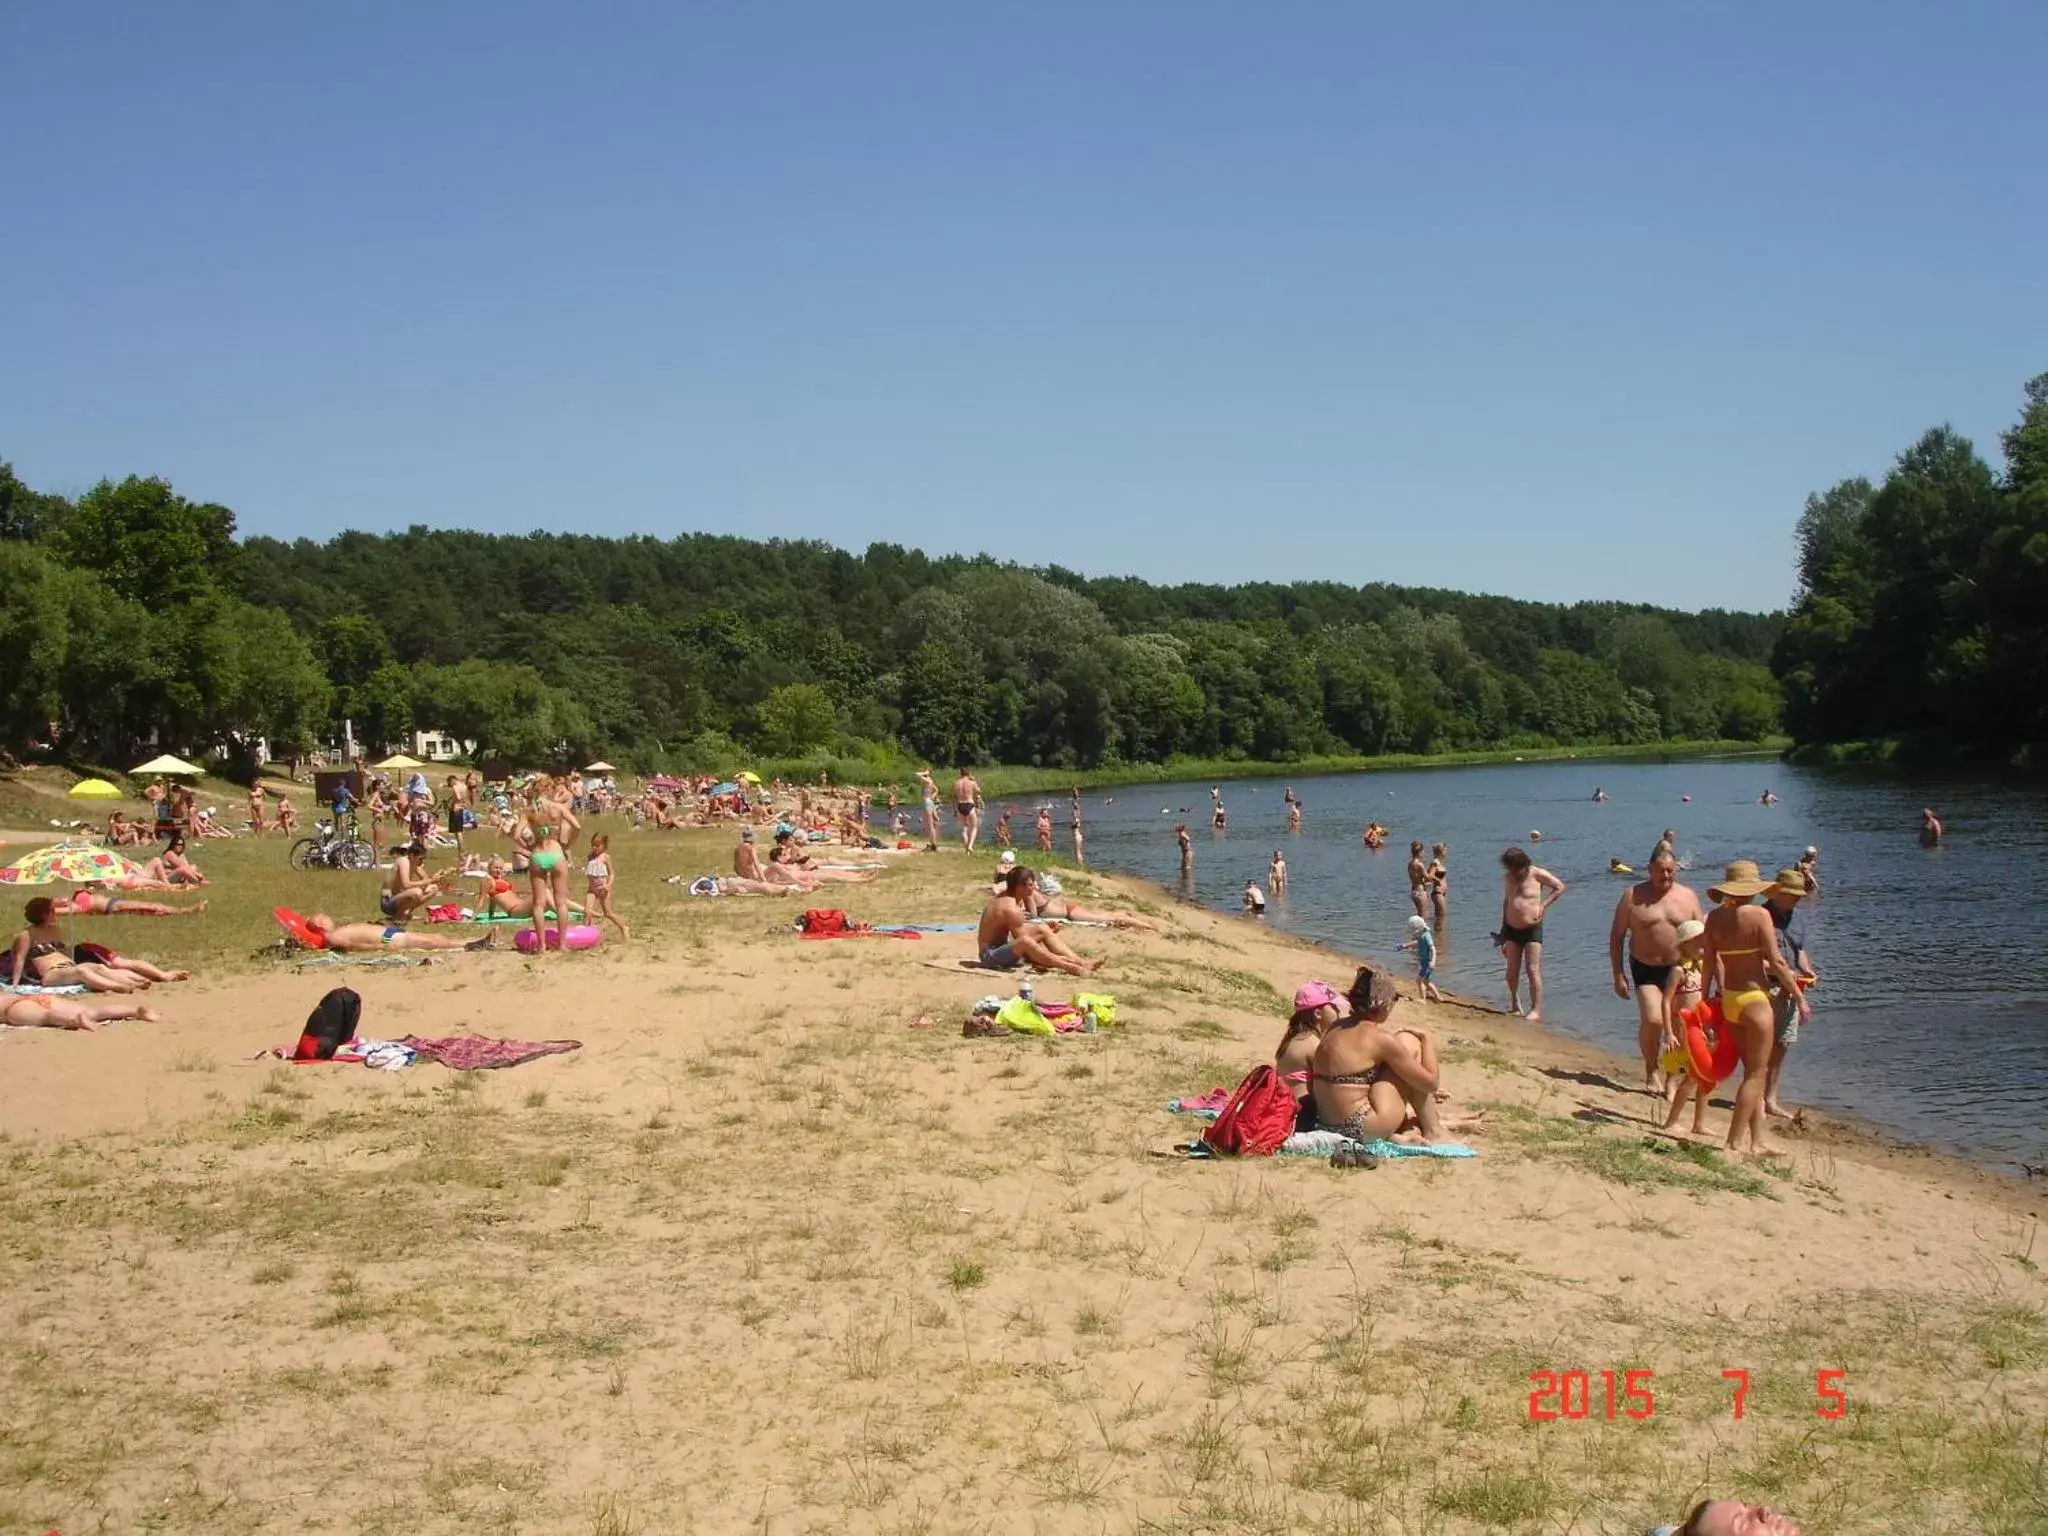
(1647,916)
(1782,902)
(1742,951)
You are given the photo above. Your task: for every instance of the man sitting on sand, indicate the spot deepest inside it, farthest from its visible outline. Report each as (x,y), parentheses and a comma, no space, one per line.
(350,937)
(1008,937)
(1048,902)
(407,888)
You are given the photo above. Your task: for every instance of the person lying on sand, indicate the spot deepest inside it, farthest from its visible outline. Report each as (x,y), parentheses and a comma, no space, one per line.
(103,903)
(69,1013)
(99,954)
(1731,1517)
(350,937)
(496,896)
(1048,904)
(41,958)
(789,855)
(1008,937)
(1369,1079)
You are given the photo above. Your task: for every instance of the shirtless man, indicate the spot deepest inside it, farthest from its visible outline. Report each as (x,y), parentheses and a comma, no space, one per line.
(967,806)
(1044,829)
(1647,916)
(406,888)
(1526,894)
(1930,829)
(1418,880)
(1008,938)
(1218,817)
(348,937)
(746,863)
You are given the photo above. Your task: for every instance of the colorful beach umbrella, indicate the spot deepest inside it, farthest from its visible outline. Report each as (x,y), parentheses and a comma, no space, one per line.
(727,788)
(93,789)
(167,764)
(79,863)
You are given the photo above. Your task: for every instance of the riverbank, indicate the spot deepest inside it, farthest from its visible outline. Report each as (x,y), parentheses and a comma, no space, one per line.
(1001,780)
(778,1248)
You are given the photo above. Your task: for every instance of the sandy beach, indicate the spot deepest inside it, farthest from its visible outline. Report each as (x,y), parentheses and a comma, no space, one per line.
(779,1250)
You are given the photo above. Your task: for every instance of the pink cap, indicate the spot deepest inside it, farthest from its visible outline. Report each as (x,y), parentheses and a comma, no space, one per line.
(1314,994)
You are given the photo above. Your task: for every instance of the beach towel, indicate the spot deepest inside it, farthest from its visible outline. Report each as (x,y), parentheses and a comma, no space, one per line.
(26,990)
(925,927)
(1324,1143)
(475,1053)
(1208,1105)
(329,961)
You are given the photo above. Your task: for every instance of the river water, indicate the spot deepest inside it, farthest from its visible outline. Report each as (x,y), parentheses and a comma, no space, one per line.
(1931,1019)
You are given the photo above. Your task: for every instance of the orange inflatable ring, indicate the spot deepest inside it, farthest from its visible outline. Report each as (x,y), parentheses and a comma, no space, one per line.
(298,930)
(1711,1062)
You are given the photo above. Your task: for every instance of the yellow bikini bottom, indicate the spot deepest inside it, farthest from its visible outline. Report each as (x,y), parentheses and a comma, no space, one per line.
(1734,1003)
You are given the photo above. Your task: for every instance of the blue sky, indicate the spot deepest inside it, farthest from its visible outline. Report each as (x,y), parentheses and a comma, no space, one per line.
(1552,300)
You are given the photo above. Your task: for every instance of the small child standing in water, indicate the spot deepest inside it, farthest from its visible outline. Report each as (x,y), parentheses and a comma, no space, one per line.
(1003,827)
(1423,942)
(597,869)
(1276,878)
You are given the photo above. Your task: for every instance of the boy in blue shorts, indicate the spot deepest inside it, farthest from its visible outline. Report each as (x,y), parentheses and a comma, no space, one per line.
(1423,942)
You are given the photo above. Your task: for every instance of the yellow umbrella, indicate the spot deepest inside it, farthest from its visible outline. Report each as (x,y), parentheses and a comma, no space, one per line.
(399,760)
(93,789)
(749,777)
(167,764)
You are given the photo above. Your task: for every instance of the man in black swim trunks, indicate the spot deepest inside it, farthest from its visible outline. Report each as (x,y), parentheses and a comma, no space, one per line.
(1526,894)
(1647,916)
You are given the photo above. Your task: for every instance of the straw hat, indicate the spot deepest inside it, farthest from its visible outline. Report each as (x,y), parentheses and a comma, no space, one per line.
(1689,930)
(1743,880)
(1790,882)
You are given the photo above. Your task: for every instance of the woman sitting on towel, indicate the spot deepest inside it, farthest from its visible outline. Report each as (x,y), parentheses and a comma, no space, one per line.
(178,869)
(1369,1080)
(1317,1005)
(42,959)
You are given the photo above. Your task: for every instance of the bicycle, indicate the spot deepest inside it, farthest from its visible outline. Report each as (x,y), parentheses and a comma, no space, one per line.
(329,849)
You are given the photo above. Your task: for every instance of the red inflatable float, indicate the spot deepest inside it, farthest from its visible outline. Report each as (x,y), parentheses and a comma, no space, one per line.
(1710,1045)
(298,929)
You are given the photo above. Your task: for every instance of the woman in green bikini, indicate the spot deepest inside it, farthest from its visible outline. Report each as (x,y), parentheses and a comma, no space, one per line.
(550,828)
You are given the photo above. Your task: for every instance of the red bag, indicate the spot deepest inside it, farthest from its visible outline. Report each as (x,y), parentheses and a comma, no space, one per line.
(823,920)
(1259,1116)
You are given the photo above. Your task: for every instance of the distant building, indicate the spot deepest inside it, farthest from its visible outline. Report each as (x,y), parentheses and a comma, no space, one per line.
(435,747)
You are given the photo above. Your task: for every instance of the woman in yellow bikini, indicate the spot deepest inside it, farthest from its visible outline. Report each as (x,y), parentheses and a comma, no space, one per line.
(1741,957)
(550,828)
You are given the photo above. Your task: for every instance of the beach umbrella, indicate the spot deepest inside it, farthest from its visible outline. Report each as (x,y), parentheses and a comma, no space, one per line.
(599,768)
(167,764)
(93,789)
(749,777)
(727,788)
(79,863)
(399,760)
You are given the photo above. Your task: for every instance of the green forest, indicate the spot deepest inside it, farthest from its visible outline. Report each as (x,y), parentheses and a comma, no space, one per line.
(1920,625)
(133,609)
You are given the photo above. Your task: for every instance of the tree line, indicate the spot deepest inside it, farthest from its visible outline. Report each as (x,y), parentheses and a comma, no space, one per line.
(1921,617)
(133,611)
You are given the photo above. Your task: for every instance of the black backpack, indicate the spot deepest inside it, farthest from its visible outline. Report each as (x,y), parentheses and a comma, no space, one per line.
(330,1026)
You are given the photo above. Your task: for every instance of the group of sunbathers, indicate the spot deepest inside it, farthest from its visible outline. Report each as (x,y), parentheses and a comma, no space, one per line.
(1020,924)
(41,957)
